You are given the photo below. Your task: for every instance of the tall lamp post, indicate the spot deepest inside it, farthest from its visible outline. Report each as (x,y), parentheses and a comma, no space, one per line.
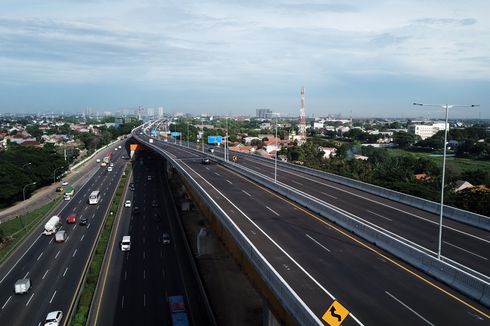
(275,156)
(446,127)
(54,173)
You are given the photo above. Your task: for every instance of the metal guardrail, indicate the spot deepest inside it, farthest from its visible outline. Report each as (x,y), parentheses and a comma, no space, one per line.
(285,294)
(453,213)
(474,287)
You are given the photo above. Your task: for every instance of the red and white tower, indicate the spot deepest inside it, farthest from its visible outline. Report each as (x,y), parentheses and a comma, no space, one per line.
(302,116)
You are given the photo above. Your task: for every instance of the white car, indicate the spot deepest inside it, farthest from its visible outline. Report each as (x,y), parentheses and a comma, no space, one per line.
(97,160)
(64,183)
(53,318)
(119,147)
(127,203)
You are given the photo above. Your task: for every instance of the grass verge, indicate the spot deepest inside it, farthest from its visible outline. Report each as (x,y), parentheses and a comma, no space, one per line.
(88,288)
(14,231)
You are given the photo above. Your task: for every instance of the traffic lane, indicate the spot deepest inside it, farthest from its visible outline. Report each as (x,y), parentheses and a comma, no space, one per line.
(353,195)
(53,270)
(195,303)
(105,306)
(278,229)
(460,246)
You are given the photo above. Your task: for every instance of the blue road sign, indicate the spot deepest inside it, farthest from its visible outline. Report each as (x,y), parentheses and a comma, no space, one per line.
(215,139)
(175,134)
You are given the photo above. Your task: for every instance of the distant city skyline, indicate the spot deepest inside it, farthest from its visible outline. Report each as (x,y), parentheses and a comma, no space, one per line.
(368,59)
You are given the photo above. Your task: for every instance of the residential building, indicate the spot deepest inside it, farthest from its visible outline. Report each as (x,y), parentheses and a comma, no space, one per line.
(426,130)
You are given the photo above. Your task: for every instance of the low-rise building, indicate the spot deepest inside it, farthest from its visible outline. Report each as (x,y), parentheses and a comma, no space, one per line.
(426,130)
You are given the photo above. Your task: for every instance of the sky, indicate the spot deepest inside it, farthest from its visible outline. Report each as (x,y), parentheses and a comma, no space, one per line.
(361,58)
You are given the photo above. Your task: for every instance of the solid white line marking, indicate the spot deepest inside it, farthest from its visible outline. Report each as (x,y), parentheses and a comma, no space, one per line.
(229,182)
(379,215)
(52,297)
(45,274)
(403,304)
(324,193)
(65,272)
(83,236)
(40,255)
(6,302)
(74,253)
(30,299)
(57,254)
(318,243)
(472,253)
(246,193)
(20,258)
(272,210)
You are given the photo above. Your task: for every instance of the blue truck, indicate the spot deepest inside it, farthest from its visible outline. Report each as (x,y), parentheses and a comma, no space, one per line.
(177,310)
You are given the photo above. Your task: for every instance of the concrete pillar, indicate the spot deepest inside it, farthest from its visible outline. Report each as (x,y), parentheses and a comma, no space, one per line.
(204,242)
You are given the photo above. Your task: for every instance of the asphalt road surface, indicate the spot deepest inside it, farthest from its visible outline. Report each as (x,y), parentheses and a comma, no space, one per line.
(55,269)
(321,261)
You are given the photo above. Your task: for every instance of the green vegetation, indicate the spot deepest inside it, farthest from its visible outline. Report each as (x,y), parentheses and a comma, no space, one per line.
(23,165)
(81,313)
(13,232)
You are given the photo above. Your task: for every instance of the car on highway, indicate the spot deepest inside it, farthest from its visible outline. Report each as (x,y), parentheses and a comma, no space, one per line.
(66,197)
(211,150)
(53,318)
(136,210)
(165,238)
(109,169)
(205,161)
(125,243)
(83,221)
(115,149)
(72,218)
(59,189)
(131,186)
(149,178)
(154,203)
(127,203)
(119,147)
(97,160)
(111,164)
(64,183)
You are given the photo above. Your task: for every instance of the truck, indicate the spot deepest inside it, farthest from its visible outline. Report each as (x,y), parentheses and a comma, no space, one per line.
(69,192)
(107,158)
(52,225)
(22,286)
(151,140)
(177,310)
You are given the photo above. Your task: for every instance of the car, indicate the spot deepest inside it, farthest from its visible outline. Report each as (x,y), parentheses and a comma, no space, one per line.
(205,161)
(127,203)
(66,197)
(119,147)
(97,160)
(64,183)
(149,178)
(59,189)
(72,218)
(165,238)
(211,150)
(111,164)
(123,157)
(53,318)
(83,221)
(156,217)
(125,243)
(136,210)
(115,149)
(154,203)
(109,169)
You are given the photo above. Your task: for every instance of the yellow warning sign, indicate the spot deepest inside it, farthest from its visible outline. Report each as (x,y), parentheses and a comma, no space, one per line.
(234,158)
(335,314)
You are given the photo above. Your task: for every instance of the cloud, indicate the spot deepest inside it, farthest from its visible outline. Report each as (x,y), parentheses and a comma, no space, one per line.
(447,21)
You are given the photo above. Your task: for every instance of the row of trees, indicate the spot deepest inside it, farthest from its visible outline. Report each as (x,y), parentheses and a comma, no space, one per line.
(23,165)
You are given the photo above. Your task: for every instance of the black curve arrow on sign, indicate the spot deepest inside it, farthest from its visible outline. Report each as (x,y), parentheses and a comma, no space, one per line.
(332,312)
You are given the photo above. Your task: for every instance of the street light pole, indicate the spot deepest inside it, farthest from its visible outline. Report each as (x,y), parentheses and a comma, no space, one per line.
(275,158)
(24,190)
(54,173)
(446,128)
(187,134)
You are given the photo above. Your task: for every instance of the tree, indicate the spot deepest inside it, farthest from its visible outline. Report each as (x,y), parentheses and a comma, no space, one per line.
(404,139)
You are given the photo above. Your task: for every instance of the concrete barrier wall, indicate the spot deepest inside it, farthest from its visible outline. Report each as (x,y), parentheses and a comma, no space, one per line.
(468,284)
(285,294)
(453,213)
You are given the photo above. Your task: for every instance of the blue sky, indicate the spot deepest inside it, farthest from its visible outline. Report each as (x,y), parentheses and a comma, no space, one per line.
(371,58)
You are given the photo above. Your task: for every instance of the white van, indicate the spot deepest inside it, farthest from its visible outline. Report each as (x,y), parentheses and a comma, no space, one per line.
(126,243)
(22,286)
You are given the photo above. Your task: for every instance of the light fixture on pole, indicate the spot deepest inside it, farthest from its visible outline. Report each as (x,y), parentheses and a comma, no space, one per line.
(446,127)
(54,173)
